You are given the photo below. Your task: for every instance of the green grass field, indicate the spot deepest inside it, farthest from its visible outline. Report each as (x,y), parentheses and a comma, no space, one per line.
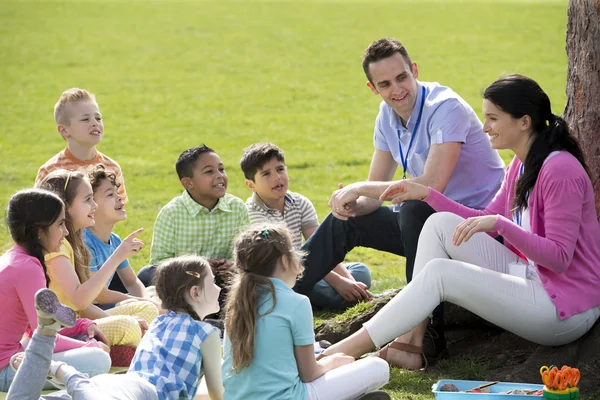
(169,75)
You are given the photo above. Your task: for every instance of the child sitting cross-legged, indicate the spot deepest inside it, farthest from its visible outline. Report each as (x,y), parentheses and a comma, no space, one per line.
(68,268)
(102,242)
(269,348)
(176,352)
(203,220)
(36,221)
(266,175)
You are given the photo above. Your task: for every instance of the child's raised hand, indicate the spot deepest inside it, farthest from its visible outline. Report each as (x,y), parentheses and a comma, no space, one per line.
(130,245)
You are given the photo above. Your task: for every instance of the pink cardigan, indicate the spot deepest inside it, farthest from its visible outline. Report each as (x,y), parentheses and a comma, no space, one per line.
(564,242)
(22,276)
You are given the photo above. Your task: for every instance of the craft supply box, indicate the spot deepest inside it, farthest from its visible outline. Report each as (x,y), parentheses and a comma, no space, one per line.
(494,391)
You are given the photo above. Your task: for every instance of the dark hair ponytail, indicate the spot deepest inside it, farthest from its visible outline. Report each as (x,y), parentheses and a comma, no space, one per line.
(29,212)
(519,95)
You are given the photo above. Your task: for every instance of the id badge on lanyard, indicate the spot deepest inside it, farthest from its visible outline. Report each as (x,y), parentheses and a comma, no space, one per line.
(403,157)
(518,210)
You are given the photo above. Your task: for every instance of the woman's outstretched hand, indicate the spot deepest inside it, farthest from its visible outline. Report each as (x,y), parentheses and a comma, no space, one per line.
(404,190)
(471,226)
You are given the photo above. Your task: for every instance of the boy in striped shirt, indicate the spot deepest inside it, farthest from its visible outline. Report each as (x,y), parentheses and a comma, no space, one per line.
(79,122)
(266,175)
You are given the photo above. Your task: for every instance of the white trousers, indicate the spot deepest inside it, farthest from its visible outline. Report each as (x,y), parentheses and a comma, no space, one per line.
(350,381)
(474,276)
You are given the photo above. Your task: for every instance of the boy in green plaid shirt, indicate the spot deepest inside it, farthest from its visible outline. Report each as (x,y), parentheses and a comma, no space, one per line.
(203,220)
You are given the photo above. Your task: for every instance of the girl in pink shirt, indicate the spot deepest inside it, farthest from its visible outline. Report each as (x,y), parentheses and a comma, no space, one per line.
(542,284)
(35,219)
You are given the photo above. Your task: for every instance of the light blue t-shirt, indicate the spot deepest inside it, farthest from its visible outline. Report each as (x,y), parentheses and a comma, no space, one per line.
(273,372)
(446,117)
(100,251)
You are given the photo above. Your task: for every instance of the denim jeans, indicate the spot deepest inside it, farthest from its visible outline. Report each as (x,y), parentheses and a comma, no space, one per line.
(325,296)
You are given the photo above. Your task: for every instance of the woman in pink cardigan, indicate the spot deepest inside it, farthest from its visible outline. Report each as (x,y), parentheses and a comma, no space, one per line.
(542,284)
(36,220)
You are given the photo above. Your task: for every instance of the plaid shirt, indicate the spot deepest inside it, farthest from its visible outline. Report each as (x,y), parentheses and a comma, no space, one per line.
(185,227)
(169,355)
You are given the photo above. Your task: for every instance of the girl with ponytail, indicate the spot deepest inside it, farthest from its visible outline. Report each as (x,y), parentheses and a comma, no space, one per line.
(36,221)
(269,348)
(542,284)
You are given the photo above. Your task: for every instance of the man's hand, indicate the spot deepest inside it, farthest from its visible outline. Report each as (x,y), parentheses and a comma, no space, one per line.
(343,202)
(352,291)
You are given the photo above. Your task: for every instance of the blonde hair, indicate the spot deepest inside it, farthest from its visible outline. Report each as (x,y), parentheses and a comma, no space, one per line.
(65,184)
(70,96)
(257,252)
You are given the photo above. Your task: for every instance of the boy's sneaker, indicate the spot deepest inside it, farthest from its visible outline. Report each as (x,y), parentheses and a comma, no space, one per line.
(51,313)
(375,395)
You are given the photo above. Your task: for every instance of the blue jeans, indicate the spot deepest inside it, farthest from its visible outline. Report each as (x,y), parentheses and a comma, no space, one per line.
(325,296)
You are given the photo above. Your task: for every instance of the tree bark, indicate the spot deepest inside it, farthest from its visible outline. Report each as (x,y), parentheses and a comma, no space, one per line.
(582,111)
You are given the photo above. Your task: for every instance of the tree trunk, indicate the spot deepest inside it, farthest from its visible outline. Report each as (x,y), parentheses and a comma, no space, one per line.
(582,111)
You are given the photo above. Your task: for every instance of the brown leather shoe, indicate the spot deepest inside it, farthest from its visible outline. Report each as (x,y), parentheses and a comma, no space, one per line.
(434,344)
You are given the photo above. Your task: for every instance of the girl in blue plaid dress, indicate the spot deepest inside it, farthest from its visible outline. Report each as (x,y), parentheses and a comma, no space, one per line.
(269,347)
(176,351)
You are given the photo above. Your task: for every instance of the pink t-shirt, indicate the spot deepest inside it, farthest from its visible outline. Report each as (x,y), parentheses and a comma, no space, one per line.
(22,276)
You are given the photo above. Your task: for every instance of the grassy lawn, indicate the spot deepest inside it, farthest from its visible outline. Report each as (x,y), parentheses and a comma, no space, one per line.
(172,75)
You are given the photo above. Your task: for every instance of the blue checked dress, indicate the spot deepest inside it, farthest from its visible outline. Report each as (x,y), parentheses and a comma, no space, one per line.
(169,355)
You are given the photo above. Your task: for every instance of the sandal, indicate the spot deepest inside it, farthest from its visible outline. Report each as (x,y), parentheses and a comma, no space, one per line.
(50,309)
(409,348)
(54,366)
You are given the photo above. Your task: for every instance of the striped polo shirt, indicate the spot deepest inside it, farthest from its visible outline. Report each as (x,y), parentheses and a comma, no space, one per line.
(298,214)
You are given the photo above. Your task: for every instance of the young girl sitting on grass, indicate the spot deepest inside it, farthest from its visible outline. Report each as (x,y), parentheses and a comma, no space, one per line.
(175,353)
(269,350)
(35,219)
(68,267)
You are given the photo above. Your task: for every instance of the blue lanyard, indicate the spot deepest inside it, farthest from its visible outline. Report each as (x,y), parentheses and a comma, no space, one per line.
(518,210)
(404,158)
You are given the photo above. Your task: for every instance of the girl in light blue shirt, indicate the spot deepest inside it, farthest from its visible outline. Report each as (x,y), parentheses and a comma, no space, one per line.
(269,348)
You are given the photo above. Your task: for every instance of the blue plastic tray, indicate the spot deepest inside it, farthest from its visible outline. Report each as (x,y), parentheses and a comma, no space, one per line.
(495,390)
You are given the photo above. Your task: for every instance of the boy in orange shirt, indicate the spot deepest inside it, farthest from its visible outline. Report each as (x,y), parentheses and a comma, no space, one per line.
(79,122)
